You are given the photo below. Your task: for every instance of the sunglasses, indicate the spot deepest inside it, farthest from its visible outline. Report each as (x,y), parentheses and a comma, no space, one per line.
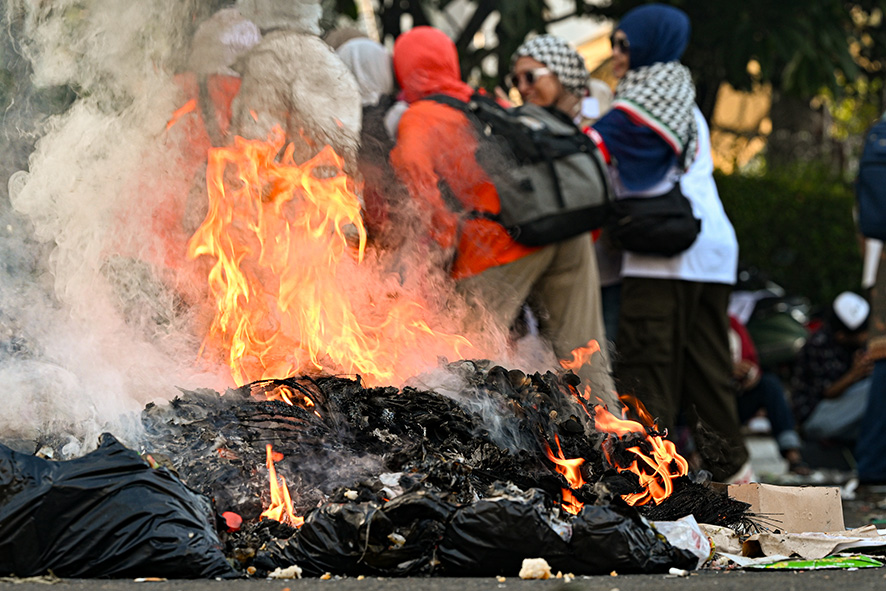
(620,43)
(514,79)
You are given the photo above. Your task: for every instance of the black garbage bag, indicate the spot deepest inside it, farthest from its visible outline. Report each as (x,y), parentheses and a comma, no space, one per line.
(607,538)
(493,536)
(396,538)
(106,514)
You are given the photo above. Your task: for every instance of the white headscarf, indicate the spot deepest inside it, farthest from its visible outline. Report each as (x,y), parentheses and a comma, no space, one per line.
(371,65)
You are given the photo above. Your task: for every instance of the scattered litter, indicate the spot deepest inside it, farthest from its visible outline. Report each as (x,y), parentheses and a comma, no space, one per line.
(535,568)
(232,521)
(724,540)
(812,545)
(292,572)
(678,572)
(685,533)
(830,562)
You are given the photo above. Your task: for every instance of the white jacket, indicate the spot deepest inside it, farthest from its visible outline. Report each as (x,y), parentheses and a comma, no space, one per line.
(713,258)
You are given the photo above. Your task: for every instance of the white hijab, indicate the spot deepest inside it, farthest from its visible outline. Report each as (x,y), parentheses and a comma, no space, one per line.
(371,65)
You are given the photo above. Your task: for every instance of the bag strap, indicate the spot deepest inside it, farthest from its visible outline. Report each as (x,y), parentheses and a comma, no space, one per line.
(445,190)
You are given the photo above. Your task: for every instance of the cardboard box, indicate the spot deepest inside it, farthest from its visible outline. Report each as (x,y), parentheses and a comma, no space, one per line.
(793,509)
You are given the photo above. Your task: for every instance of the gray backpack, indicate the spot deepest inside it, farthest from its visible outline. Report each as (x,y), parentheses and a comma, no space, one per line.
(550,177)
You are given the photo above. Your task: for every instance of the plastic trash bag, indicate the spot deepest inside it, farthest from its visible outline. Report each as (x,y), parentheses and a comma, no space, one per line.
(396,538)
(493,536)
(106,514)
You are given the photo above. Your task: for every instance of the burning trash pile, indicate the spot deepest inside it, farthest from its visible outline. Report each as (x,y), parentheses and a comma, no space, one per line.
(377,462)
(377,481)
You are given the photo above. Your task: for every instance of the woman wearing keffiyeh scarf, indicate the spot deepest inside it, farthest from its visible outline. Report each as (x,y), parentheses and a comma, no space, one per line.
(673,327)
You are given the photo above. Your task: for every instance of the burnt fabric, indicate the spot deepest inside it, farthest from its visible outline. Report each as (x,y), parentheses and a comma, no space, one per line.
(106,514)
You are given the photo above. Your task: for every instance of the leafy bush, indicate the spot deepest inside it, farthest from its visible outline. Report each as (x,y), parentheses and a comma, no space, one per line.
(796,226)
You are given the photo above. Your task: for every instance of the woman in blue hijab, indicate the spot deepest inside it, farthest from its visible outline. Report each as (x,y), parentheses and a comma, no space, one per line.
(650,131)
(673,327)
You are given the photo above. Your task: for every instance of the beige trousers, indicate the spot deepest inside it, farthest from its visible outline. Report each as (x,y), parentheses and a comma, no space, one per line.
(562,281)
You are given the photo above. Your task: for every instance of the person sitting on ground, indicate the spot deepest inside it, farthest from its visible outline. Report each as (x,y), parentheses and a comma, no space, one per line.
(435,157)
(831,377)
(758,389)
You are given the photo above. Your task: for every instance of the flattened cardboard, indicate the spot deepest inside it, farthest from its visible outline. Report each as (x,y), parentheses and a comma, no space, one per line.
(793,509)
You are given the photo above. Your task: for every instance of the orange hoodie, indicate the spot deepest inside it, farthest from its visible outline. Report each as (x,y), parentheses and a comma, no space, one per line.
(437,143)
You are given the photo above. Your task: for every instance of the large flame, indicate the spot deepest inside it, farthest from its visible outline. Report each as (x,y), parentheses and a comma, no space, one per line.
(656,467)
(289,240)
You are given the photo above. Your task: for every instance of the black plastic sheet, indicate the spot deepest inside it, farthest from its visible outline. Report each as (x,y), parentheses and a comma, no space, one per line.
(106,514)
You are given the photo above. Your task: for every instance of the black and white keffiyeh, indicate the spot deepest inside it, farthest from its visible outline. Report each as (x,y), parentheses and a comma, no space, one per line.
(661,96)
(560,58)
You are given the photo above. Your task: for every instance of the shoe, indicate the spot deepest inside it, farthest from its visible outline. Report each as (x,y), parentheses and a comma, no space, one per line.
(799,468)
(796,465)
(745,475)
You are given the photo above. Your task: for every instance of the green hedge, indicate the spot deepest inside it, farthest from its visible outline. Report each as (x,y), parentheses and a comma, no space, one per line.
(797,228)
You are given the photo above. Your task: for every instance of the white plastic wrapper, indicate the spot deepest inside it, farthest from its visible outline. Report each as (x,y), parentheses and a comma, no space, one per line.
(686,534)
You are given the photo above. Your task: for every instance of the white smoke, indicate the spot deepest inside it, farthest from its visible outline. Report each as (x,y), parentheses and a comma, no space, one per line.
(99,311)
(103,330)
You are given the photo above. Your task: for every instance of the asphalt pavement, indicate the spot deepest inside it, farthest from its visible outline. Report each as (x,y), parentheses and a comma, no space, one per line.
(872,579)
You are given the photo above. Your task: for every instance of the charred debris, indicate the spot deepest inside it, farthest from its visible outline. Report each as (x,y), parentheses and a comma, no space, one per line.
(411,481)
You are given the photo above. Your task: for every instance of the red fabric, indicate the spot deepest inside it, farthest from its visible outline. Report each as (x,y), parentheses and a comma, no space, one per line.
(748,350)
(436,142)
(426,63)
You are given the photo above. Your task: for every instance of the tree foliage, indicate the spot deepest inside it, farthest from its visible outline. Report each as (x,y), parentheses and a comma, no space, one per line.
(800,47)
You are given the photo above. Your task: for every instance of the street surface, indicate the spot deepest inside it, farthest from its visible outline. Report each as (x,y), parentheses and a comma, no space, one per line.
(873,579)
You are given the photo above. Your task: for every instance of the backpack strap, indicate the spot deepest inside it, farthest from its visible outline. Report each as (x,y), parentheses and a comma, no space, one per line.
(445,190)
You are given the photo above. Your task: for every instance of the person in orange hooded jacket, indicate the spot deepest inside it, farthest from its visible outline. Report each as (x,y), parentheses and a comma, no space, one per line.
(434,155)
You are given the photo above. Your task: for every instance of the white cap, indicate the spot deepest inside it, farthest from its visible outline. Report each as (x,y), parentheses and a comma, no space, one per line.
(851,309)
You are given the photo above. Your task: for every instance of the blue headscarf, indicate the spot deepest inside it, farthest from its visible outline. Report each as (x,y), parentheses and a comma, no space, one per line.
(644,154)
(656,33)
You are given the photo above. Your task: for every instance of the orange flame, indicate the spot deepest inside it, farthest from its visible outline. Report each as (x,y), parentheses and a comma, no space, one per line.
(289,241)
(580,357)
(571,469)
(181,112)
(657,471)
(281,503)
(284,393)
